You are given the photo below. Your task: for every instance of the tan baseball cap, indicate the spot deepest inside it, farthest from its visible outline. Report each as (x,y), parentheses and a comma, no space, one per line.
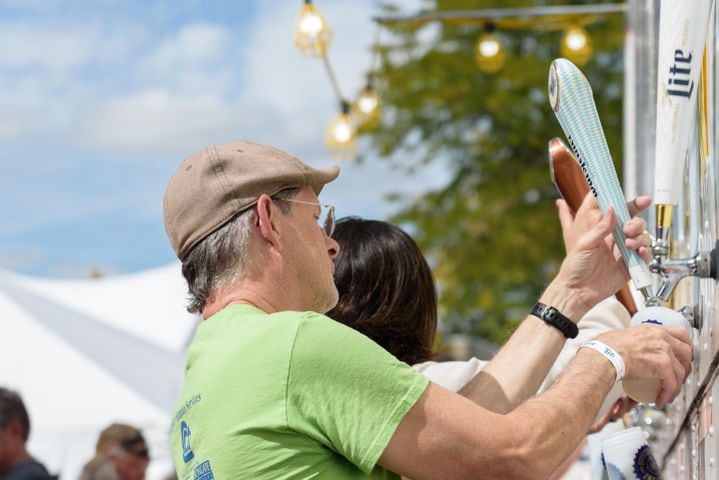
(212,186)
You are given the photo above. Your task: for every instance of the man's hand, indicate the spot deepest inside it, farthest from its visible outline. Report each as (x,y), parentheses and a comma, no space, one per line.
(654,352)
(571,232)
(593,268)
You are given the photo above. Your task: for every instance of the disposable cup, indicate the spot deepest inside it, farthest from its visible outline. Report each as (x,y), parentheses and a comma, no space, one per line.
(596,457)
(627,456)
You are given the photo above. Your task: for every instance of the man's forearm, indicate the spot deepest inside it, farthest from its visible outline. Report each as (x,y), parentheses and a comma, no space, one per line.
(519,368)
(444,435)
(561,417)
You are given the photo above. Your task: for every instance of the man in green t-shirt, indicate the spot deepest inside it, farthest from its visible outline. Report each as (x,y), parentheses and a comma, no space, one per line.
(274,389)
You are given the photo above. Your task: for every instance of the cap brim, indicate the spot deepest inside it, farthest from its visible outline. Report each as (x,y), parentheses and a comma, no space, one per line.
(324,176)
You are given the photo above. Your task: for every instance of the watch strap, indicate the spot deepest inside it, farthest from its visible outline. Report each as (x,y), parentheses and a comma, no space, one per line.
(555,318)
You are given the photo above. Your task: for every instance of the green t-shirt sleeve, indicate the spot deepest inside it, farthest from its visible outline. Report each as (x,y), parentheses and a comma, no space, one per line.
(347,392)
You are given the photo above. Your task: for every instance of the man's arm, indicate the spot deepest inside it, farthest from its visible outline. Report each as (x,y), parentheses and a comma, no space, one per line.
(520,367)
(517,370)
(447,436)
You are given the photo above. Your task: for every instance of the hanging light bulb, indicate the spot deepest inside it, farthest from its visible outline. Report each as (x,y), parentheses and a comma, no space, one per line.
(576,45)
(366,108)
(489,51)
(312,32)
(341,137)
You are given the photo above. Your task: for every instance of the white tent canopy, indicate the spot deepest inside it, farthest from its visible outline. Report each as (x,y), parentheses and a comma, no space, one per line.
(86,353)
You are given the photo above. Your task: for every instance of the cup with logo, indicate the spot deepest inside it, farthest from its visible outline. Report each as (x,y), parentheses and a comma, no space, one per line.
(627,456)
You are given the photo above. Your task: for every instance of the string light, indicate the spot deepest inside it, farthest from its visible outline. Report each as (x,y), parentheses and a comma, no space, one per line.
(312,32)
(366,108)
(489,51)
(341,135)
(313,38)
(576,45)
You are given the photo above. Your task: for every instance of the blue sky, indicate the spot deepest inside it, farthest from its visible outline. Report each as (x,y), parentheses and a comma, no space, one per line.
(100,100)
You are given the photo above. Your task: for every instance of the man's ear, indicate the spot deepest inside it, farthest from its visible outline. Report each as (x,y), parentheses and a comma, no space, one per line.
(265,219)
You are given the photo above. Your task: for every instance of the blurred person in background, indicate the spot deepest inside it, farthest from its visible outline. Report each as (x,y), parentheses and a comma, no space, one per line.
(15,461)
(121,454)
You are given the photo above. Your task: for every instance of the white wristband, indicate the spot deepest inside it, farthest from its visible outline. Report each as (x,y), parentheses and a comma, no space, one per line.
(610,354)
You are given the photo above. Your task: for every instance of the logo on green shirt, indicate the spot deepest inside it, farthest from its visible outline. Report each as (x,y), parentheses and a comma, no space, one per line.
(203,471)
(187,453)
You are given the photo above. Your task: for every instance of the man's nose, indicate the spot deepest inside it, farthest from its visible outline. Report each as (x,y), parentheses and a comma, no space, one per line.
(333,248)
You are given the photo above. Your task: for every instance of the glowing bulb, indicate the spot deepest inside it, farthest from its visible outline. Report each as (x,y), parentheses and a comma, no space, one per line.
(341,137)
(342,131)
(576,45)
(576,41)
(489,53)
(367,102)
(366,109)
(310,24)
(489,47)
(312,32)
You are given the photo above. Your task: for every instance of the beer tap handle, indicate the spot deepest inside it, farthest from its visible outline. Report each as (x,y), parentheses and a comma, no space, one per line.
(568,177)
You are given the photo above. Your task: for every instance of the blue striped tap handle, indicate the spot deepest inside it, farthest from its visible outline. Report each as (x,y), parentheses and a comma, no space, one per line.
(571,98)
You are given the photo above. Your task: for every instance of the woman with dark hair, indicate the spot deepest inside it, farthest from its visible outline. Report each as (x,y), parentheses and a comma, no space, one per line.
(386,288)
(387,292)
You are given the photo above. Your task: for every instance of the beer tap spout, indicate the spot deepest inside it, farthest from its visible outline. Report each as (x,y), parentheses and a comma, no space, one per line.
(671,271)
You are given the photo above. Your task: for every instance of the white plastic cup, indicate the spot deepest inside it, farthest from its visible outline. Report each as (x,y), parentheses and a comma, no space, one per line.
(647,390)
(596,456)
(627,456)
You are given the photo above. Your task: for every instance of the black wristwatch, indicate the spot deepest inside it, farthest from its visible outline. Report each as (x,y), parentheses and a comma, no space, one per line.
(553,317)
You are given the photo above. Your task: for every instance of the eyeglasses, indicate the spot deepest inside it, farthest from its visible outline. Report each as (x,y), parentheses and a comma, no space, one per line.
(327,215)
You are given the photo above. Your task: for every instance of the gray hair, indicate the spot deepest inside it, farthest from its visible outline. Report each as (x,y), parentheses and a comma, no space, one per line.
(12,408)
(220,259)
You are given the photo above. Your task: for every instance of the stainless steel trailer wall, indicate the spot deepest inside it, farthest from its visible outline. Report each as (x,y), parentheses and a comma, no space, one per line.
(684,436)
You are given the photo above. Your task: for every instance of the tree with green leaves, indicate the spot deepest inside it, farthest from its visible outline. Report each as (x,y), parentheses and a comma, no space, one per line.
(491,234)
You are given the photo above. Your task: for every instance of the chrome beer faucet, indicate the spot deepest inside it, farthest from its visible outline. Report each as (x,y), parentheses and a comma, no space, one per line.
(671,271)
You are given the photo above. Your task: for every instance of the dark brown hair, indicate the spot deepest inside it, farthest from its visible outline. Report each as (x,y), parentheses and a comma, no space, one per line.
(386,289)
(12,408)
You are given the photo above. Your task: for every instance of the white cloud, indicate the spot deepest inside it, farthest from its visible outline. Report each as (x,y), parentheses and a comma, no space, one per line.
(196,44)
(156,121)
(144,91)
(190,94)
(195,58)
(196,83)
(39,46)
(159,101)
